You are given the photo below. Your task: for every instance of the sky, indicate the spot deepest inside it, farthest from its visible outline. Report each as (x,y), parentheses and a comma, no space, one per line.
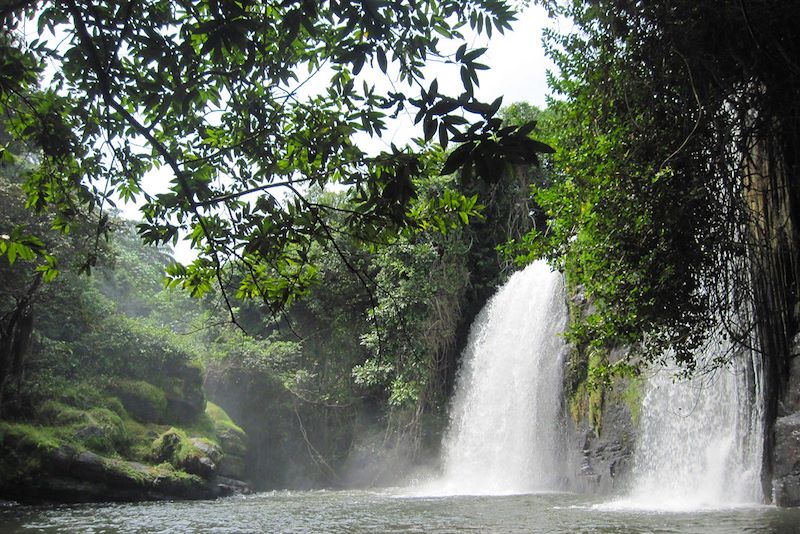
(517,72)
(518,66)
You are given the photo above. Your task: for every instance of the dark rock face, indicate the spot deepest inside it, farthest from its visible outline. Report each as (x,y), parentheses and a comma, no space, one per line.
(600,430)
(786,445)
(601,463)
(232,467)
(234,446)
(791,399)
(786,461)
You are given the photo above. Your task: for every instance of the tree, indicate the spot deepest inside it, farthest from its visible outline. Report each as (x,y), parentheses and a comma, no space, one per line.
(31,249)
(676,201)
(244,105)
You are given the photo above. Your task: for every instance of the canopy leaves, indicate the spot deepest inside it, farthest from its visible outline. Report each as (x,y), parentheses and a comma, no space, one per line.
(238,107)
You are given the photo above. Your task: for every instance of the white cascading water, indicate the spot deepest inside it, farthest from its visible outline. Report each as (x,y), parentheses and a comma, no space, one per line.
(700,441)
(505,433)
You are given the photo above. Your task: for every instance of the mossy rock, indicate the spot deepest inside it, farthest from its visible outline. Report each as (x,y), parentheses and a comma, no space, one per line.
(24,450)
(144,401)
(185,402)
(37,466)
(172,482)
(82,395)
(183,387)
(97,428)
(105,431)
(230,436)
(198,456)
(54,413)
(141,437)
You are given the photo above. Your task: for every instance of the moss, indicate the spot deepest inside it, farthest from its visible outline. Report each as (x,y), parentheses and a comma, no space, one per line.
(577,369)
(120,469)
(220,418)
(98,428)
(106,431)
(116,406)
(217,426)
(596,398)
(141,399)
(83,395)
(588,384)
(23,448)
(198,456)
(55,413)
(577,403)
(41,438)
(140,439)
(632,396)
(596,386)
(168,478)
(174,447)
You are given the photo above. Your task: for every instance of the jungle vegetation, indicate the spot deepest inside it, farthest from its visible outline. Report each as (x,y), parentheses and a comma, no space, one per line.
(670,202)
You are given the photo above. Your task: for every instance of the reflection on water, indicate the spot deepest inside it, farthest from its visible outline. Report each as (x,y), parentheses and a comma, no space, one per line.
(388,511)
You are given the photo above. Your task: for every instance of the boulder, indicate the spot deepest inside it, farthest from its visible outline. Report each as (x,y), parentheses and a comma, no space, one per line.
(144,401)
(230,486)
(197,456)
(203,459)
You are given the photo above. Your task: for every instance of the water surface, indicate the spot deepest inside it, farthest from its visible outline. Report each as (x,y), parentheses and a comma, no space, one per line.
(390,511)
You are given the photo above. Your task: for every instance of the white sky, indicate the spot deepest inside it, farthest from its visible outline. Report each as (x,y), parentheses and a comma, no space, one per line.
(518,66)
(517,72)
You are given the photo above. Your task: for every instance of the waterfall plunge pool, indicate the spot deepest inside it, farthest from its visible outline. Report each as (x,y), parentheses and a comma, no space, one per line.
(508,387)
(389,511)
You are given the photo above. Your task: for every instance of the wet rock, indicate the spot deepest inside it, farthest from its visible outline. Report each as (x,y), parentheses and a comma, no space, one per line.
(786,461)
(181,486)
(232,466)
(232,441)
(229,486)
(601,463)
(62,458)
(791,401)
(89,466)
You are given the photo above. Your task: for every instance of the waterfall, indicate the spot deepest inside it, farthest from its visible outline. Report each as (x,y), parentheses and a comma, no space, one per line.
(700,440)
(505,433)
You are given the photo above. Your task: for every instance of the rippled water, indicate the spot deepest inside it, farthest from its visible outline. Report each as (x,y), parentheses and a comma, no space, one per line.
(388,511)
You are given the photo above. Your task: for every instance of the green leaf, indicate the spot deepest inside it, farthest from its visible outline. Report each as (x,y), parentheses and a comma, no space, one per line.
(382,63)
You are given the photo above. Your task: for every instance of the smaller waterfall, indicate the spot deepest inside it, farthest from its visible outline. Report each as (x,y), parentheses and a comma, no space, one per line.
(700,440)
(504,434)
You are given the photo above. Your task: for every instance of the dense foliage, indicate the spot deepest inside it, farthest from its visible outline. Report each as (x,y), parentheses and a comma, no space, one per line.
(246,111)
(676,137)
(243,106)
